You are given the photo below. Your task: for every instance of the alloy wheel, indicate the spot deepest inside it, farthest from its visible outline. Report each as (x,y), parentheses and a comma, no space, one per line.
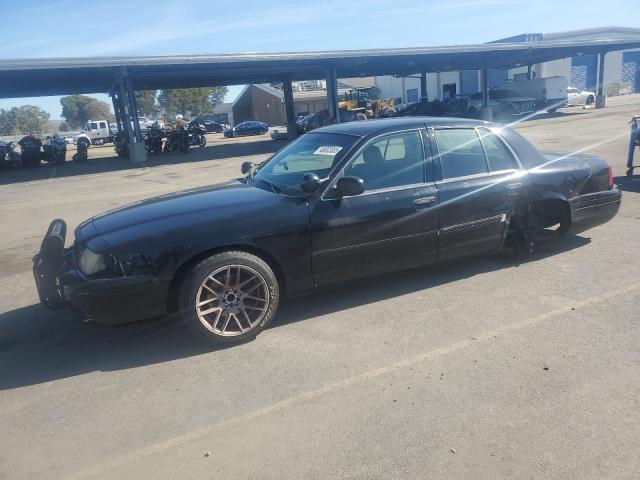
(232,300)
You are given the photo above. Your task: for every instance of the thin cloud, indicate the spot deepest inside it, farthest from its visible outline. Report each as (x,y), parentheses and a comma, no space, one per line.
(171,27)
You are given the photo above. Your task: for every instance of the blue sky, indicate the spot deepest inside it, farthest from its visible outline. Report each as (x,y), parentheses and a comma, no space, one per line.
(59,28)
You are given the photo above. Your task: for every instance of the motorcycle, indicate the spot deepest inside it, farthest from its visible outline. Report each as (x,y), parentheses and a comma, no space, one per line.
(81,154)
(8,155)
(153,139)
(55,151)
(31,150)
(197,135)
(178,139)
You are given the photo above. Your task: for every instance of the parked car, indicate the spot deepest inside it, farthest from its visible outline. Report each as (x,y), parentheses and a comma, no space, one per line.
(322,119)
(279,134)
(457,106)
(339,203)
(503,102)
(211,126)
(247,128)
(548,93)
(580,97)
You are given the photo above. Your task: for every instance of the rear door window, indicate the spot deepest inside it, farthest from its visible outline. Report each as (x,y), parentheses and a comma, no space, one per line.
(499,156)
(460,152)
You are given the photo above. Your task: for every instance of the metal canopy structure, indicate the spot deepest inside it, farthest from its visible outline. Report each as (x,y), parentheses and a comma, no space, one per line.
(122,76)
(62,76)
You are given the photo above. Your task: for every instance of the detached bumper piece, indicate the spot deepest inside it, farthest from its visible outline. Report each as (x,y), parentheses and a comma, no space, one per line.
(594,209)
(47,265)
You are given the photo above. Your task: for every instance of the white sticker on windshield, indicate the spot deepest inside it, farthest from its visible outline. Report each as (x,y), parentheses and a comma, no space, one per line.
(327,150)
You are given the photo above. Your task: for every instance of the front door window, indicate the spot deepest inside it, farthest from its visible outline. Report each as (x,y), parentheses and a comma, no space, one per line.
(391,161)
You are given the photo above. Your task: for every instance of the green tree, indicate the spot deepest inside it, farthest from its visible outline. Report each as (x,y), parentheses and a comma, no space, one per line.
(191,101)
(147,103)
(78,109)
(217,95)
(23,119)
(63,127)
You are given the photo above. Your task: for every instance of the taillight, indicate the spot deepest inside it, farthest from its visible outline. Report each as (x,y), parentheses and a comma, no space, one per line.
(544,93)
(610,178)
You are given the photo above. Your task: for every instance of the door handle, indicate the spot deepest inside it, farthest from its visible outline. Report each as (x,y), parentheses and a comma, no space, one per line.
(424,200)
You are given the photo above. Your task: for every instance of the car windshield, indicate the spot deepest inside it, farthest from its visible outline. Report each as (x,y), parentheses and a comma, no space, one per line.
(313,153)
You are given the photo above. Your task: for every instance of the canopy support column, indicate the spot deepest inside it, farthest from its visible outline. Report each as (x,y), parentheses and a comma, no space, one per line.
(601,98)
(487,112)
(290,110)
(134,141)
(332,95)
(116,110)
(133,103)
(423,87)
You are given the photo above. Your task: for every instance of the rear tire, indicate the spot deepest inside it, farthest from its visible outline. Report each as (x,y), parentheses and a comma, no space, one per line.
(229,297)
(590,99)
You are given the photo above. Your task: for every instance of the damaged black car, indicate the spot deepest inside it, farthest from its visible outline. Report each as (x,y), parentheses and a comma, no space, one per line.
(340,203)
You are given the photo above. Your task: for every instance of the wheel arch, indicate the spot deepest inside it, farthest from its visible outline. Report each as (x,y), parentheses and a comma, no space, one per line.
(188,263)
(550,205)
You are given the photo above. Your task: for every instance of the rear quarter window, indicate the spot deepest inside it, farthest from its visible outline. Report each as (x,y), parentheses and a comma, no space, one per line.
(498,155)
(528,155)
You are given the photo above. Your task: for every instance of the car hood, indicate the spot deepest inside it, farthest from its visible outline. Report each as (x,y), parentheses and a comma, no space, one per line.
(233,195)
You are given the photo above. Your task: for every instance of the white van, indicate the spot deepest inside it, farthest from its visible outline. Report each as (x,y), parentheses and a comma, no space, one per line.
(549,93)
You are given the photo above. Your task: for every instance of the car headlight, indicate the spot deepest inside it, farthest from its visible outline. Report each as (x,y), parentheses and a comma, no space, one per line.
(91,263)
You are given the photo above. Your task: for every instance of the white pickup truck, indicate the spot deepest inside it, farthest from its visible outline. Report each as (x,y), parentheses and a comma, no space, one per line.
(548,93)
(97,131)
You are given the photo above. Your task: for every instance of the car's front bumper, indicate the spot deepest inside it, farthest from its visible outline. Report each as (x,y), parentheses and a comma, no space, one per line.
(106,300)
(593,209)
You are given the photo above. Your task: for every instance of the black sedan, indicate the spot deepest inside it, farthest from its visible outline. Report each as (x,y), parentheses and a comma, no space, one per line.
(339,203)
(211,126)
(247,128)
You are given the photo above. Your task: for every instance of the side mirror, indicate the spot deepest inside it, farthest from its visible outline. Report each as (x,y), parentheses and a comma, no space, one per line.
(310,182)
(246,167)
(349,186)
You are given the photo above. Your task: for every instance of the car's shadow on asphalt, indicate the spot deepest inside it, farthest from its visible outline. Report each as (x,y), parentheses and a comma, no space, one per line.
(531,119)
(38,345)
(114,164)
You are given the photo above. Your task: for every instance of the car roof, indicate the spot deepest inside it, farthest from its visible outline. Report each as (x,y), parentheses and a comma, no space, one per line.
(372,127)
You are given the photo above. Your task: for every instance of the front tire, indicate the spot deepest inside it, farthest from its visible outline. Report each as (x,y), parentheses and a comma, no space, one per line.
(229,297)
